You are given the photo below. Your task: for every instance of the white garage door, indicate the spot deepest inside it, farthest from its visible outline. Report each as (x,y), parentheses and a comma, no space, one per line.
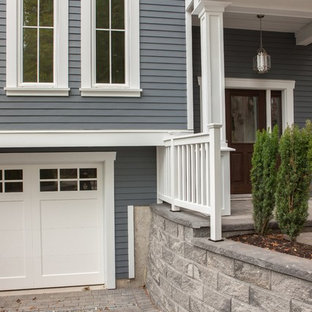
(51,225)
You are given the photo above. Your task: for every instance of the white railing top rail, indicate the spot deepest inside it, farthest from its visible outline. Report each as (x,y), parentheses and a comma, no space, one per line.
(188,140)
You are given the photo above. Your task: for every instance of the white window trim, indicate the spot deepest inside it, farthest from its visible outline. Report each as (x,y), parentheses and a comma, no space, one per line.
(286,86)
(132,56)
(14,85)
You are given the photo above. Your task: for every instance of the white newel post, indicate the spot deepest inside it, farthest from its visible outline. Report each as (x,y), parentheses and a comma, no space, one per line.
(216,182)
(173,176)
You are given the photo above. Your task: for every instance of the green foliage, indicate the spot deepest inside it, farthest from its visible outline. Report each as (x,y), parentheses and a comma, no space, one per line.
(263,178)
(293,180)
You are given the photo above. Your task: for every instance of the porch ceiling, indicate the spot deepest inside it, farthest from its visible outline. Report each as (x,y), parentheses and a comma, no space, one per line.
(270,22)
(280,16)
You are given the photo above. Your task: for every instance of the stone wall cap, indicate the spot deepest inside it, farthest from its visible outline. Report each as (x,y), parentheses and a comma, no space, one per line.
(192,220)
(268,259)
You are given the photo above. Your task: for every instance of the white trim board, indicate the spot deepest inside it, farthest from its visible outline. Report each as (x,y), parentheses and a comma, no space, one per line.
(131,248)
(81,138)
(286,86)
(107,158)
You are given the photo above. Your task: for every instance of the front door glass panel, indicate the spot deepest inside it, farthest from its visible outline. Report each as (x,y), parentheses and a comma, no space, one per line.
(244,118)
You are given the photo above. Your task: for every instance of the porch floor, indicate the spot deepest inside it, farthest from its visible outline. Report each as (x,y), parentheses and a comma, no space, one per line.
(239,222)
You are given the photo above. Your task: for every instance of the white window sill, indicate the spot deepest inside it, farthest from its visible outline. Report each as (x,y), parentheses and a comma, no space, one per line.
(37,91)
(111,92)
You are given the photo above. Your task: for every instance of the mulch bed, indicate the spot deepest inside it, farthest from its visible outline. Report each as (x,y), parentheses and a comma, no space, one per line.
(276,242)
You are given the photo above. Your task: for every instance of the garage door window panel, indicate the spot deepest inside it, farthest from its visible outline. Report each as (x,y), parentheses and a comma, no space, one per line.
(67,180)
(11,181)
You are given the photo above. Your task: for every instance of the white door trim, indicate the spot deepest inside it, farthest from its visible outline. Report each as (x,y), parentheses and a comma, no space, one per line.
(286,86)
(107,159)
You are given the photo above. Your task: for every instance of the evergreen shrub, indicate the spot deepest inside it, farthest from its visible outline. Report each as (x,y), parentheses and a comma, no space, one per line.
(263,178)
(293,180)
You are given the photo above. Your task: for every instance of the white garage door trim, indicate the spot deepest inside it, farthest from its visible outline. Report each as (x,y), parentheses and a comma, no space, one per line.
(107,160)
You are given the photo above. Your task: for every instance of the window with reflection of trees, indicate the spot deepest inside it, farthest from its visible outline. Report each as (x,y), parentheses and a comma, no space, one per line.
(110,41)
(38,41)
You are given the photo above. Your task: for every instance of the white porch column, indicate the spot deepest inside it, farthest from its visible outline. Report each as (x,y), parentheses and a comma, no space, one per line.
(210,14)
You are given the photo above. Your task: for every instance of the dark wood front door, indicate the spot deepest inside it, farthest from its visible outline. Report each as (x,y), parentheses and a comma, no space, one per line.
(245,114)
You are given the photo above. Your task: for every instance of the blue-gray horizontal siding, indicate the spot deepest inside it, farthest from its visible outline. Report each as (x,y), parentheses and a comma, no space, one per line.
(135,184)
(163,80)
(289,62)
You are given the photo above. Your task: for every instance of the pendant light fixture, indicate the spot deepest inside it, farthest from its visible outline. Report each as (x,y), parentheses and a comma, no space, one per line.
(262,61)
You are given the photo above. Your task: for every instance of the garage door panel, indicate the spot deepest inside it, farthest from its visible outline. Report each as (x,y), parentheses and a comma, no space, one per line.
(70,237)
(15,242)
(69,213)
(13,239)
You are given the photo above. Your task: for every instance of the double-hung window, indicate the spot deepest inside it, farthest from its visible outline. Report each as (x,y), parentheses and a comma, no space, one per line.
(37,48)
(110,48)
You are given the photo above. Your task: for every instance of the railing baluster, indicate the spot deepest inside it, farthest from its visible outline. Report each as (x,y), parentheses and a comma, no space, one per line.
(202,173)
(207,195)
(188,170)
(193,163)
(183,173)
(197,180)
(179,173)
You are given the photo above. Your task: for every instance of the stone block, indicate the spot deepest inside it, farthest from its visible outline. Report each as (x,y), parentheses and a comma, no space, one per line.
(181,232)
(205,275)
(164,238)
(181,298)
(233,287)
(190,270)
(169,305)
(216,300)
(196,254)
(188,234)
(179,263)
(221,263)
(154,291)
(167,256)
(165,285)
(292,287)
(161,266)
(267,301)
(198,306)
(171,228)
(154,272)
(154,232)
(158,221)
(174,277)
(155,247)
(183,310)
(252,274)
(176,245)
(192,287)
(299,306)
(238,306)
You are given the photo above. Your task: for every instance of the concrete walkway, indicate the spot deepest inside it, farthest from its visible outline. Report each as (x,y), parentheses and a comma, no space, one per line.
(120,300)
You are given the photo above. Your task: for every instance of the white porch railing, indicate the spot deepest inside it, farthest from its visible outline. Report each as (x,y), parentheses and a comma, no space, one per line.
(190,175)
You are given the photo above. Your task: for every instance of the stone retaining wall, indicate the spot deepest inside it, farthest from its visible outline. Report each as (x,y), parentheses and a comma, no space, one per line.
(193,274)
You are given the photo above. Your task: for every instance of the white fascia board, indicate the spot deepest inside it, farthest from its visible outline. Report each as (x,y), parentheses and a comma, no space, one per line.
(304,35)
(42,139)
(298,8)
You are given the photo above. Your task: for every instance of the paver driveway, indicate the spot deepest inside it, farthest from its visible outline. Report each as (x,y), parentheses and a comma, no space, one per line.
(121,300)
